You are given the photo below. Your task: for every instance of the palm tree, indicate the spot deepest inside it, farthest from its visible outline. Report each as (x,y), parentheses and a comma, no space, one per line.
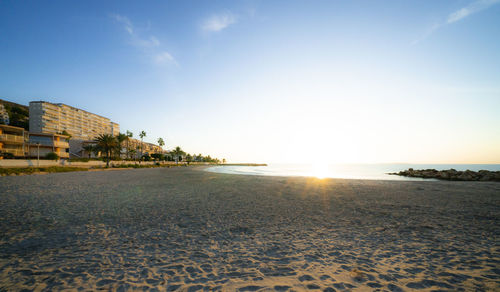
(106,143)
(120,139)
(132,152)
(97,151)
(137,148)
(161,142)
(66,134)
(129,135)
(177,152)
(89,148)
(142,134)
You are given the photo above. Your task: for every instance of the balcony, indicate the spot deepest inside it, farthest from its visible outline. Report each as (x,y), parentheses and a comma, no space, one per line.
(58,144)
(15,152)
(8,138)
(61,144)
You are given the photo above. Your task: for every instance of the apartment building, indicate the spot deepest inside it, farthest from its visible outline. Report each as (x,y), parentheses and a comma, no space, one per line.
(46,117)
(17,142)
(13,141)
(4,115)
(41,144)
(134,147)
(145,147)
(47,121)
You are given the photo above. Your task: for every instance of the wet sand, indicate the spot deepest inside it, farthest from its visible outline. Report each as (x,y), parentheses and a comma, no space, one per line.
(190,230)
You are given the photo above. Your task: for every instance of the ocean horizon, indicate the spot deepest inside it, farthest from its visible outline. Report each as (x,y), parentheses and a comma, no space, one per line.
(376,171)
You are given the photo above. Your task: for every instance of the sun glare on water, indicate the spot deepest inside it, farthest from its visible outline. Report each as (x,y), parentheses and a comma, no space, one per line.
(319,170)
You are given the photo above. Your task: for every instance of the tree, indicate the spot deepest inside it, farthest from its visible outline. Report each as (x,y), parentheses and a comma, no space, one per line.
(157,156)
(137,148)
(142,134)
(106,143)
(6,155)
(224,160)
(66,134)
(133,152)
(89,148)
(177,153)
(161,142)
(97,151)
(129,135)
(52,156)
(120,139)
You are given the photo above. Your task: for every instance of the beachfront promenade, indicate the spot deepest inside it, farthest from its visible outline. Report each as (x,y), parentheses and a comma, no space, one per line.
(184,228)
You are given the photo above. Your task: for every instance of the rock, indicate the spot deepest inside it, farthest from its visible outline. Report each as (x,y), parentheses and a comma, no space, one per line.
(452,174)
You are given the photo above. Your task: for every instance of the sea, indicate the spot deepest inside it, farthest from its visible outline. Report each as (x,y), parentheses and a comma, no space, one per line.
(347,171)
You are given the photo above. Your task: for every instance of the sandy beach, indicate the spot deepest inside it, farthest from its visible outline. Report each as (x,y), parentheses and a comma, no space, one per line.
(185,229)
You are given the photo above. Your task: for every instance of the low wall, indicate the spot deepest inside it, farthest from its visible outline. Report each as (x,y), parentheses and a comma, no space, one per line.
(45,163)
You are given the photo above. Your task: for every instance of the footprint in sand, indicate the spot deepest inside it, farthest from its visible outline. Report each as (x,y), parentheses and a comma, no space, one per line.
(313,286)
(306,278)
(394,288)
(250,288)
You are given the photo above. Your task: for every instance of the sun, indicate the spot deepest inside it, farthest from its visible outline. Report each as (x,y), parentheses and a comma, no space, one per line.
(319,170)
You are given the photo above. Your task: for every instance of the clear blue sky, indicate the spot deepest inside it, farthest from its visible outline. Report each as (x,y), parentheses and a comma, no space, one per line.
(270,81)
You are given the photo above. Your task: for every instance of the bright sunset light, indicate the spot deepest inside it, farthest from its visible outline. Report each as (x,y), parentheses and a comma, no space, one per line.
(257,81)
(319,170)
(250,145)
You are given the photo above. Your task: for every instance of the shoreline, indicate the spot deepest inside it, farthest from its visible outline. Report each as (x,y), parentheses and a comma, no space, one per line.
(19,171)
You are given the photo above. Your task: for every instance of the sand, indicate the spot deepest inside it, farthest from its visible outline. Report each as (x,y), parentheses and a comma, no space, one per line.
(186,229)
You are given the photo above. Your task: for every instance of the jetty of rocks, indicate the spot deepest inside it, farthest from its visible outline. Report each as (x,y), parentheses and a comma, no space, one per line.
(451,174)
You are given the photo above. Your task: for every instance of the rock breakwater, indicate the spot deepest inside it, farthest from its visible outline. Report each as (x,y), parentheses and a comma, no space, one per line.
(451,174)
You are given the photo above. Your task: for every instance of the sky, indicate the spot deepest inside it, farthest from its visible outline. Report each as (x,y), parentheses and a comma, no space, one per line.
(270,81)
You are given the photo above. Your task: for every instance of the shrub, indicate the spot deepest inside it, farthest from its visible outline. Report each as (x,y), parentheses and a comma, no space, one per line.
(30,170)
(79,160)
(7,155)
(52,156)
(157,156)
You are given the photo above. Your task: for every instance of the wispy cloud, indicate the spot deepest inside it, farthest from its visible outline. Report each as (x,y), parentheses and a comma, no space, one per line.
(149,45)
(150,42)
(473,7)
(219,22)
(164,57)
(127,24)
(429,31)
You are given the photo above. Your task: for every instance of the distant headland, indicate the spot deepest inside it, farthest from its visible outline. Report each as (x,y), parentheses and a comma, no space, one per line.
(243,164)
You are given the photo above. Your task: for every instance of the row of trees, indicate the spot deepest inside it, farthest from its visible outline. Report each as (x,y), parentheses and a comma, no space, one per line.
(110,146)
(177,155)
